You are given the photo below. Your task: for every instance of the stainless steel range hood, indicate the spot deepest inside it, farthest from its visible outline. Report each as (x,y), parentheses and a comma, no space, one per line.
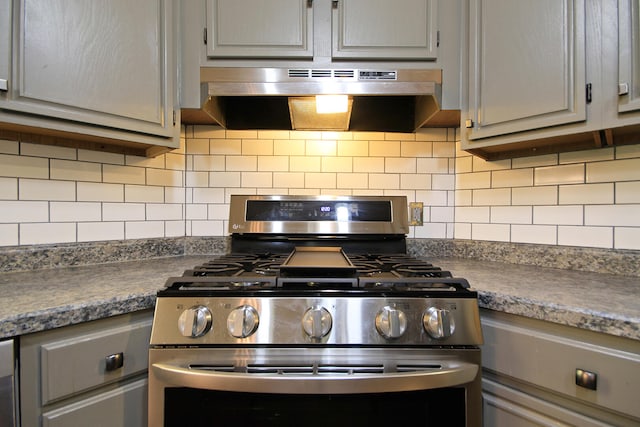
(390,100)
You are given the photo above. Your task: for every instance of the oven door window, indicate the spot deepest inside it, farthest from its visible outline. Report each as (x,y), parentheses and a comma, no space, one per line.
(193,407)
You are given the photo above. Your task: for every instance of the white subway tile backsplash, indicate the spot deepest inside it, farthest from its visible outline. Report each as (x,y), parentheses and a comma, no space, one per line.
(463,197)
(242,163)
(444,149)
(492,197)
(157,162)
(209,195)
(472,214)
(595,237)
(100,157)
(288,179)
(464,165)
(536,234)
(384,148)
(194,211)
(50,151)
(218,212)
(98,192)
(586,194)
(320,180)
(613,215)
(208,163)
(76,171)
(535,161)
(416,149)
(98,231)
(142,194)
(511,215)
(432,197)
(174,195)
(587,155)
(24,167)
(205,132)
(627,192)
(273,134)
(512,178)
(123,174)
(321,148)
(431,231)
(304,164)
(225,179)
(368,164)
(208,228)
(8,189)
(415,181)
(256,179)
(355,181)
(174,228)
(442,214)
(123,212)
(257,147)
(566,174)
(431,134)
(492,232)
(467,181)
(165,212)
(46,233)
(353,148)
(337,164)
(273,163)
(627,238)
(197,146)
(23,211)
(561,215)
(400,165)
(74,211)
(228,147)
(618,170)
(196,179)
(533,196)
(9,235)
(462,231)
(143,229)
(41,189)
(443,182)
(481,165)
(9,147)
(628,151)
(386,181)
(432,165)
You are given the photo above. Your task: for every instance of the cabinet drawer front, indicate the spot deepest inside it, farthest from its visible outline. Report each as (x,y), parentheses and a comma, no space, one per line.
(130,400)
(550,361)
(80,363)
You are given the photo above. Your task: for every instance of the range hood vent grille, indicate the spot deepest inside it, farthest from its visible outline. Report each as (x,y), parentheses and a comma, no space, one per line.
(321,73)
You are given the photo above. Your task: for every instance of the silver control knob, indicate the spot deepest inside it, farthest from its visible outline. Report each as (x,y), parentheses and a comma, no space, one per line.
(391,322)
(195,321)
(243,321)
(438,323)
(317,322)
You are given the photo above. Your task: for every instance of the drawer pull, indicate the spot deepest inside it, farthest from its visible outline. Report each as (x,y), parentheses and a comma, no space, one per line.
(114,361)
(586,379)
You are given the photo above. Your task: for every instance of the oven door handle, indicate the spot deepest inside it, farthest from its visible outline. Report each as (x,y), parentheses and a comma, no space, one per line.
(454,374)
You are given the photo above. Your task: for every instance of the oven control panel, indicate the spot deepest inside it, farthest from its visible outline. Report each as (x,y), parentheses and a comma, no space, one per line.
(194,321)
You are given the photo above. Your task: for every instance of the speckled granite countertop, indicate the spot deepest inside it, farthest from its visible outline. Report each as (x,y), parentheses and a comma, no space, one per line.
(45,299)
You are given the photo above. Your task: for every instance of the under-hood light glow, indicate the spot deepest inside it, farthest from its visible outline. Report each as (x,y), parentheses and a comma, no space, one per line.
(331,104)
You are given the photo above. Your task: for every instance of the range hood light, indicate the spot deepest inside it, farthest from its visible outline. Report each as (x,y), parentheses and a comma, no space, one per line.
(331,104)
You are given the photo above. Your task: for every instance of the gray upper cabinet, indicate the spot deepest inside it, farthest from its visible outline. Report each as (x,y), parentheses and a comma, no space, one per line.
(312,29)
(259,29)
(629,55)
(527,66)
(99,68)
(398,30)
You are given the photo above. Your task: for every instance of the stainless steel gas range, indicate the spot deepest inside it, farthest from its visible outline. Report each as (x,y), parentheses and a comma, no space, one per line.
(316,317)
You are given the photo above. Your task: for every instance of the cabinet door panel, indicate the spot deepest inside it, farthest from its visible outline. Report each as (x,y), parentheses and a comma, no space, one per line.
(527,65)
(404,29)
(104,63)
(629,55)
(246,28)
(122,407)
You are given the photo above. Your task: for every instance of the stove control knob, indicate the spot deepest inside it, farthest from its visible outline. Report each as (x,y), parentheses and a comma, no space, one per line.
(438,323)
(391,322)
(243,321)
(317,322)
(195,321)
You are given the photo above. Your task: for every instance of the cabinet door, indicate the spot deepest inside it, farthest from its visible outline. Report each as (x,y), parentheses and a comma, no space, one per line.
(381,29)
(105,63)
(629,55)
(259,29)
(526,65)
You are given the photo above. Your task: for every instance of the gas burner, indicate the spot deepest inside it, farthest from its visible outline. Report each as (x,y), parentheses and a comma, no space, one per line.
(270,268)
(217,268)
(420,270)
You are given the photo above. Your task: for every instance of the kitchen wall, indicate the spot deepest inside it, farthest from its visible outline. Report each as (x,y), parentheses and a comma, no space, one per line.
(52,194)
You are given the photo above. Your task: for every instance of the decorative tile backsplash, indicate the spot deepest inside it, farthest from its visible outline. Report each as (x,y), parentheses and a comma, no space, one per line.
(56,195)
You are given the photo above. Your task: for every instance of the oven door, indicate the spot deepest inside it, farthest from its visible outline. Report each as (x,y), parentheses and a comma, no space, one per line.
(276,387)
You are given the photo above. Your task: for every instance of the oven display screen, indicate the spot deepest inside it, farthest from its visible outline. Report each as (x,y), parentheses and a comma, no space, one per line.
(318,210)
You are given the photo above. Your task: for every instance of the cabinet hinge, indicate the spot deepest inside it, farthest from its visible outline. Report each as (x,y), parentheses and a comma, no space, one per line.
(469,123)
(204,35)
(438,38)
(588,94)
(623,89)
(309,3)
(334,4)
(4,84)
(174,117)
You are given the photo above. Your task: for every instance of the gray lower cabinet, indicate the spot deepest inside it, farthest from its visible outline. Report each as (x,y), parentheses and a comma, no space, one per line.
(91,374)
(537,373)
(99,70)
